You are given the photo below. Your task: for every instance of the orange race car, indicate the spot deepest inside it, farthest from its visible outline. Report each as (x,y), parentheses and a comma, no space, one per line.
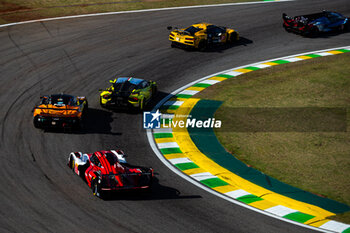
(60,110)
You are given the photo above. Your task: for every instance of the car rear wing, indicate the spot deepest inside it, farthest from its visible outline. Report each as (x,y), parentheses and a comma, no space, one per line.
(56,109)
(285,17)
(183,32)
(56,112)
(297,21)
(127,180)
(304,18)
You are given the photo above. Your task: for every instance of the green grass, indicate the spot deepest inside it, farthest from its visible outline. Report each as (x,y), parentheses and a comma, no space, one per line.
(318,162)
(22,10)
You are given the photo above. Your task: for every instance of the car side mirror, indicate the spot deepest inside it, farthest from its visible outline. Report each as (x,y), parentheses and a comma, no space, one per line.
(169,27)
(111,81)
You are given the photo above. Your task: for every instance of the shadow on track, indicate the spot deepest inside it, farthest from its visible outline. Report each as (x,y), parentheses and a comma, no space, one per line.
(158,192)
(323,35)
(96,121)
(220,48)
(150,105)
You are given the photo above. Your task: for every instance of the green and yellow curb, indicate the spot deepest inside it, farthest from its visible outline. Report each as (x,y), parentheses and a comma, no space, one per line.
(177,147)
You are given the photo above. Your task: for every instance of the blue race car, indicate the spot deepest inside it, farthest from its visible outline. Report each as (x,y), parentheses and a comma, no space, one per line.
(313,24)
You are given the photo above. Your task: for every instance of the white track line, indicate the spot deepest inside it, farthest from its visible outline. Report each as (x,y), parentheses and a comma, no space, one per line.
(140,11)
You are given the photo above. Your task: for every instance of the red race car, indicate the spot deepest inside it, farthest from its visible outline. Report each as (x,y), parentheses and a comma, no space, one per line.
(108,170)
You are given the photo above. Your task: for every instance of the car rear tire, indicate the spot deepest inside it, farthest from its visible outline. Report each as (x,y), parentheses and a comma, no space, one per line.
(154,91)
(313,32)
(202,45)
(347,26)
(79,125)
(286,28)
(35,122)
(233,37)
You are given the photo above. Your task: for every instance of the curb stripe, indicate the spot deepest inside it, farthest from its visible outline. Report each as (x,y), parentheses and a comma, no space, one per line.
(186,96)
(280,62)
(299,217)
(203,176)
(163,135)
(335,226)
(252,68)
(233,73)
(163,130)
(324,54)
(293,59)
(186,166)
(262,66)
(192,171)
(280,210)
(202,85)
(170,107)
(168,145)
(314,55)
(180,160)
(174,156)
(249,199)
(226,75)
(162,140)
(177,103)
(237,193)
(210,82)
(242,71)
(188,92)
(170,151)
(213,182)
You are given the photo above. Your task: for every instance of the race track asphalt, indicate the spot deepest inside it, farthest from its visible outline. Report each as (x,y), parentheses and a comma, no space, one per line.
(78,56)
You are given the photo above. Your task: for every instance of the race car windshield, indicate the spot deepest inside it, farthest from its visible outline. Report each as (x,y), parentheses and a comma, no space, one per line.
(335,15)
(111,158)
(192,30)
(215,30)
(124,87)
(60,99)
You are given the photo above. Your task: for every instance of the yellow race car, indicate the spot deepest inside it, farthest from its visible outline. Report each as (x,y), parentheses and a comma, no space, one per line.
(128,92)
(202,35)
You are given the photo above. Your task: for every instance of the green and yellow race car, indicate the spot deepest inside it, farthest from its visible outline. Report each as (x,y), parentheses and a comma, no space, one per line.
(202,35)
(128,92)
